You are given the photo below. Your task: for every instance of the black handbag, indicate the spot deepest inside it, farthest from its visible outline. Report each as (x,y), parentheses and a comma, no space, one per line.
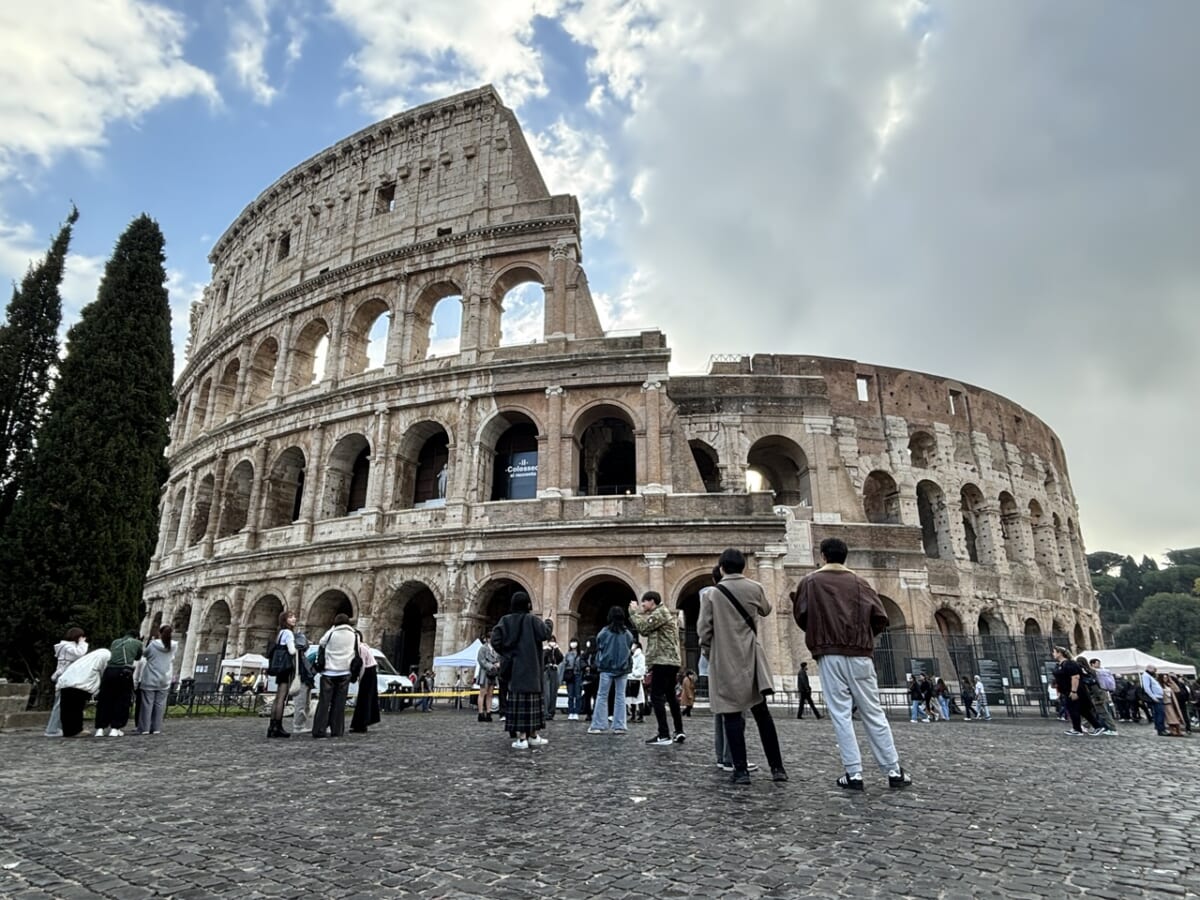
(356,664)
(279,663)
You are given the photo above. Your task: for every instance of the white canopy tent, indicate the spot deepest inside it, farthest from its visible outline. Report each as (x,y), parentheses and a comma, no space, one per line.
(1131,661)
(245,661)
(463,659)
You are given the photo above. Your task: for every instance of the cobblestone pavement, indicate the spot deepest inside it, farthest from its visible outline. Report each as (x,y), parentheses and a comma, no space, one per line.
(439,805)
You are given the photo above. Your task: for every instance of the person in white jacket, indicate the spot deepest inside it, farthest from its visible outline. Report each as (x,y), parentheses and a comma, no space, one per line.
(634,694)
(73,646)
(341,648)
(76,686)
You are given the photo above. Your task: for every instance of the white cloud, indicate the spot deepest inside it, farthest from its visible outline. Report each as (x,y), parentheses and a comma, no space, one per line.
(623,311)
(249,37)
(577,162)
(412,53)
(73,68)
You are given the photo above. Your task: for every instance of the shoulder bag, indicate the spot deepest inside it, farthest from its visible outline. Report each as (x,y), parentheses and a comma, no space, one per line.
(762,669)
(279,662)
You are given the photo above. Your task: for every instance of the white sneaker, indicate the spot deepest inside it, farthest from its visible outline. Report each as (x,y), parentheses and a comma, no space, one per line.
(116,732)
(159,732)
(53,734)
(538,742)
(520,745)
(99,733)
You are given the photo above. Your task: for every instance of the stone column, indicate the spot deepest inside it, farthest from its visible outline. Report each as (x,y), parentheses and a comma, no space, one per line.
(551,602)
(768,563)
(294,603)
(238,402)
(366,605)
(550,474)
(988,540)
(378,461)
(312,481)
(651,392)
(655,572)
(188,668)
(185,515)
(283,362)
(333,355)
(214,511)
(461,478)
(237,634)
(254,513)
(394,357)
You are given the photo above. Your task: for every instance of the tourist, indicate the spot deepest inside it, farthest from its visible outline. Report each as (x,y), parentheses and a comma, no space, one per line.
(841,615)
(573,678)
(156,681)
(916,701)
(284,637)
(941,693)
(552,658)
(635,689)
(967,695)
(1153,691)
(116,686)
(488,661)
(1067,677)
(340,644)
(459,687)
(518,639)
(1172,713)
(739,677)
(981,700)
(1183,694)
(656,625)
(304,683)
(73,646)
(614,660)
(687,693)
(804,686)
(76,685)
(366,703)
(1097,696)
(591,678)
(1107,683)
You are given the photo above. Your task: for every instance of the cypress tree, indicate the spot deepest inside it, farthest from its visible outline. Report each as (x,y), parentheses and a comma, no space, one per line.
(81,534)
(28,352)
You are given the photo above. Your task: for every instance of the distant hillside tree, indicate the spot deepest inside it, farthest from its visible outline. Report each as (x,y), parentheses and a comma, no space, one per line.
(81,534)
(28,353)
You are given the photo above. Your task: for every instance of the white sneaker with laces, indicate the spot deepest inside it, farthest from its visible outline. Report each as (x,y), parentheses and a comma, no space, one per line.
(538,742)
(99,733)
(116,732)
(520,745)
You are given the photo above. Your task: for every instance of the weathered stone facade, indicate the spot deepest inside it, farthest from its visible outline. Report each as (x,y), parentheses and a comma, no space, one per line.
(304,474)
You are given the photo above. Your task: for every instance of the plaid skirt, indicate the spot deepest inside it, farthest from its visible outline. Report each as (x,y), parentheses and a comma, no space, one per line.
(524,712)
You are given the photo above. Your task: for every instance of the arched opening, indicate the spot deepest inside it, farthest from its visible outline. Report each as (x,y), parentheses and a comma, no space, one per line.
(881,499)
(364,343)
(1078,646)
(1010,527)
(780,465)
(433,470)
(423,453)
(409,627)
(1058,632)
(935,522)
(443,336)
(596,598)
(522,311)
(177,507)
(706,461)
(200,415)
(201,507)
(893,647)
(1032,628)
(181,420)
(237,499)
(607,454)
(346,477)
(948,623)
(214,632)
(1037,651)
(495,601)
(514,469)
(1095,640)
(308,355)
(262,622)
(324,609)
(689,605)
(284,489)
(971,500)
(261,376)
(922,450)
(180,623)
(227,392)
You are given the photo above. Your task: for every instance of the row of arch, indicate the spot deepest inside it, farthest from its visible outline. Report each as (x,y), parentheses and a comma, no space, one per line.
(283,364)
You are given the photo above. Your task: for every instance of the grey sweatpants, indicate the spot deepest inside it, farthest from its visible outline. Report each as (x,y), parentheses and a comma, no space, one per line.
(846,682)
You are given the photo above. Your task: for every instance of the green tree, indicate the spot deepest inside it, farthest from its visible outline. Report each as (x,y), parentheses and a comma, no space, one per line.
(1188,557)
(81,534)
(1102,562)
(28,352)
(1168,619)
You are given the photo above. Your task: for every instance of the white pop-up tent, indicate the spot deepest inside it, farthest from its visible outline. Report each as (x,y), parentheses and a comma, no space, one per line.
(1131,661)
(463,659)
(245,662)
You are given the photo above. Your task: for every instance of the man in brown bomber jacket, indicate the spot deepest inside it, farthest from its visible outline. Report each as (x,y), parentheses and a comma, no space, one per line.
(840,615)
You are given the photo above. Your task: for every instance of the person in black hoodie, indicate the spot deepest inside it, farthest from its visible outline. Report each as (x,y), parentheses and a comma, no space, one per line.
(591,678)
(552,658)
(518,639)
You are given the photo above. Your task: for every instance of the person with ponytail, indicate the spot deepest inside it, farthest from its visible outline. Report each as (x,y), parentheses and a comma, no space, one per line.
(156,681)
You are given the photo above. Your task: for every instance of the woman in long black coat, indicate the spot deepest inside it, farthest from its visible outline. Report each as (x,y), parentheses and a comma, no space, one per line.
(518,639)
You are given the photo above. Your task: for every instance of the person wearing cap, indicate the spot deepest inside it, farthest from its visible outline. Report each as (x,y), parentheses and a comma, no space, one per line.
(1154,696)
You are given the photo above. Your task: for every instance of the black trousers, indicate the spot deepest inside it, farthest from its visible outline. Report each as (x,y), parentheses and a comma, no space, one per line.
(735,737)
(115,697)
(331,707)
(71,705)
(806,697)
(662,695)
(1077,708)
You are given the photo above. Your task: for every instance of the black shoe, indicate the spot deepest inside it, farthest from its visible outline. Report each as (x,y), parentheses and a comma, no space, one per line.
(487,717)
(742,777)
(779,775)
(319,735)
(482,717)
(899,778)
(846,782)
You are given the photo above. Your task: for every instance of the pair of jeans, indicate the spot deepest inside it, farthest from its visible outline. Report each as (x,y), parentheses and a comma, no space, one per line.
(154,707)
(918,711)
(735,737)
(550,690)
(331,707)
(610,685)
(54,726)
(662,695)
(848,682)
(944,703)
(1159,709)
(574,692)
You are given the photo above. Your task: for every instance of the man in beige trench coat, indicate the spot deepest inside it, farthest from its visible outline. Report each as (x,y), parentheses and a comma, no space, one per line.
(739,677)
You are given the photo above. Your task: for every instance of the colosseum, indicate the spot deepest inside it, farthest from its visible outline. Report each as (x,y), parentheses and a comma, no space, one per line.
(337,449)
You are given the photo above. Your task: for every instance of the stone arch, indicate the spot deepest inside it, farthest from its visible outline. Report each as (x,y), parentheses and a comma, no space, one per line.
(893,647)
(200,407)
(509,456)
(1078,638)
(687,602)
(707,462)
(237,499)
(201,507)
(407,622)
(974,526)
(260,623)
(423,452)
(1010,527)
(935,521)
(593,596)
(261,377)
(991,623)
(1058,633)
(437,320)
(1033,628)
(226,399)
(328,604)
(178,504)
(605,447)
(346,477)
(782,465)
(181,419)
(881,499)
(364,342)
(492,600)
(284,489)
(1095,640)
(922,450)
(518,299)
(214,629)
(308,355)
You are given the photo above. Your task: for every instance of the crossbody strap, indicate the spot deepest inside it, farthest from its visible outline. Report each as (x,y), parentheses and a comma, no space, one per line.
(741,609)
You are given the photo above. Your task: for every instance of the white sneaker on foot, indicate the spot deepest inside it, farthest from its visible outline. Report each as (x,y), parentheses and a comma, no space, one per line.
(538,742)
(116,732)
(99,733)
(520,745)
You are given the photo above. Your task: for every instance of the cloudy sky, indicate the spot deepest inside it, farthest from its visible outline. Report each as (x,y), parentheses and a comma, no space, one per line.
(1005,193)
